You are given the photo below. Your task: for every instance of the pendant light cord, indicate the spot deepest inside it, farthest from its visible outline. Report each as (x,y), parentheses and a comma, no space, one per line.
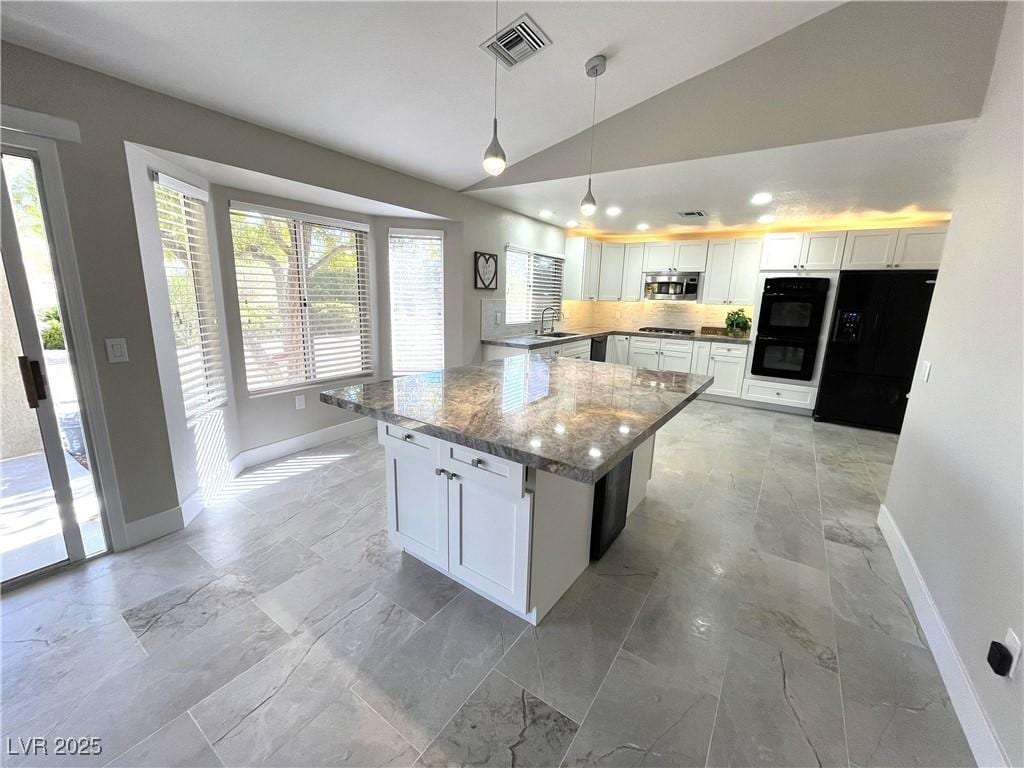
(495,62)
(593,122)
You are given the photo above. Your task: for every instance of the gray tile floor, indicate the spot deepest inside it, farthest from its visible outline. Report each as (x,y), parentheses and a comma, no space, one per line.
(750,614)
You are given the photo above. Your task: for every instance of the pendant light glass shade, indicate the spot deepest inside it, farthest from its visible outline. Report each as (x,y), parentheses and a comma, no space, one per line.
(588,205)
(494,157)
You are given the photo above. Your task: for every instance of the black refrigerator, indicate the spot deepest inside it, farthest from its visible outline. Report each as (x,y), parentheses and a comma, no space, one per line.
(872,347)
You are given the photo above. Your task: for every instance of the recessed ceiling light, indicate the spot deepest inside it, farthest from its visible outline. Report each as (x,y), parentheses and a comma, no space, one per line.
(572,223)
(546,213)
(761,198)
(765,218)
(643,226)
(613,210)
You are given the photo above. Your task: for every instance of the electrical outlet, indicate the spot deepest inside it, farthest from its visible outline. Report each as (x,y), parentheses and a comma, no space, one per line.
(497,318)
(618,315)
(1012,644)
(300,402)
(926,370)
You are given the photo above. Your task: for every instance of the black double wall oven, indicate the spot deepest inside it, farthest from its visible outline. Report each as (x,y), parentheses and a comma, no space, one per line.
(789,326)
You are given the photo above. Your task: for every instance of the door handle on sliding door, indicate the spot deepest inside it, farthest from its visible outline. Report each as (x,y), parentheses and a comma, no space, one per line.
(33,379)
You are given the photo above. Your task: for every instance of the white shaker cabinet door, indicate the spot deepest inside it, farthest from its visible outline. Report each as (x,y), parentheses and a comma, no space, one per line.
(692,255)
(869,248)
(617,350)
(822,250)
(592,270)
(633,273)
(919,248)
(672,360)
(610,283)
(646,357)
(728,373)
(719,273)
(701,357)
(781,251)
(743,280)
(659,257)
(489,541)
(417,500)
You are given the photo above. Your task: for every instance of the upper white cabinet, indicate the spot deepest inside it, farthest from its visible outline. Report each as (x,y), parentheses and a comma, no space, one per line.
(633,272)
(869,248)
(592,270)
(572,269)
(781,251)
(691,255)
(719,272)
(919,248)
(743,281)
(610,281)
(659,256)
(822,250)
(789,251)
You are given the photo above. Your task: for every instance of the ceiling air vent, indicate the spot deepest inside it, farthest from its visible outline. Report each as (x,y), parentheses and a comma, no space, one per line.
(693,214)
(516,42)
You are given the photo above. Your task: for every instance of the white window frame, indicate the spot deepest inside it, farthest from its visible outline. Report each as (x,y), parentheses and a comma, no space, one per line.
(240,204)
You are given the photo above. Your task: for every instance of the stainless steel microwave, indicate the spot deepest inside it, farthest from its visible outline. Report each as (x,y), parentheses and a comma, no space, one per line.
(672,286)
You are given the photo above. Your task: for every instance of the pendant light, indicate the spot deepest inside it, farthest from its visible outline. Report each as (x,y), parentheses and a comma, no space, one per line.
(595,68)
(494,157)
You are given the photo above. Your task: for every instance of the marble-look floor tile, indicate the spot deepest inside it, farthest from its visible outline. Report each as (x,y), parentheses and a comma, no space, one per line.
(788,522)
(634,558)
(867,590)
(897,710)
(179,744)
(860,535)
(502,724)
(786,605)
(876,447)
(716,541)
(548,660)
(346,733)
(257,713)
(319,517)
(644,716)
(427,678)
(128,706)
(671,493)
(879,474)
(169,617)
(777,710)
(53,681)
(685,625)
(420,589)
(848,496)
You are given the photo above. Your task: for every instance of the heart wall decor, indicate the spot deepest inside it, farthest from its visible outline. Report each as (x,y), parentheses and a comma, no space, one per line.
(485,270)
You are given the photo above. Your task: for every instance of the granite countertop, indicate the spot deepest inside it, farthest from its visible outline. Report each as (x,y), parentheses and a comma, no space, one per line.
(570,417)
(539,342)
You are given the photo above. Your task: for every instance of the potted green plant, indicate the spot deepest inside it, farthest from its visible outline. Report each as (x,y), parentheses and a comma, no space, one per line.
(737,323)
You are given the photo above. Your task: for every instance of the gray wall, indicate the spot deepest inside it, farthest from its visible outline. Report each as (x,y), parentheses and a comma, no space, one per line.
(109,113)
(955,491)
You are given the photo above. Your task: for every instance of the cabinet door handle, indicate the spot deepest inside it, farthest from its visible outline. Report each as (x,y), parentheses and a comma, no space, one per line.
(407,436)
(477,462)
(438,471)
(896,266)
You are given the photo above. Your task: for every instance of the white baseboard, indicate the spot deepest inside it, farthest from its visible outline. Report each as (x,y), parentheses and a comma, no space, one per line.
(979,732)
(153,527)
(272,451)
(192,506)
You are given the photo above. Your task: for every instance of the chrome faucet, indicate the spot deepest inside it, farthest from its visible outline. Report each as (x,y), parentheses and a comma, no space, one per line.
(557,315)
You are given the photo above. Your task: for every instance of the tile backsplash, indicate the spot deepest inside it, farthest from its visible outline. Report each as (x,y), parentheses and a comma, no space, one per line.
(630,315)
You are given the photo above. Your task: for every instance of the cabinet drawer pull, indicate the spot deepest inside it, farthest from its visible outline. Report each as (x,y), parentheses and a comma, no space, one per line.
(477,462)
(407,436)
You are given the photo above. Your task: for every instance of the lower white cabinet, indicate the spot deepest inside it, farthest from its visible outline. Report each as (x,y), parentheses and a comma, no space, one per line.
(779,394)
(617,350)
(417,501)
(464,512)
(701,357)
(676,356)
(644,353)
(489,541)
(727,365)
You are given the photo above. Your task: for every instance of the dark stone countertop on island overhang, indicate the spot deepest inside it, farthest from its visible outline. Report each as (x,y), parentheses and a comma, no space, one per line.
(570,417)
(540,342)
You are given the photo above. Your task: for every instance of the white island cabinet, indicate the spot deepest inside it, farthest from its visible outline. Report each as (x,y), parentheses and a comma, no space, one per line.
(511,476)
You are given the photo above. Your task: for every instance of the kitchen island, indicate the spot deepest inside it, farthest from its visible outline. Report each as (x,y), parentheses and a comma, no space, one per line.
(510,475)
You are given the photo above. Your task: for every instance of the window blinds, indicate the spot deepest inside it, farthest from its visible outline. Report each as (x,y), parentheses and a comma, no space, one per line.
(532,282)
(416,275)
(182,221)
(303,298)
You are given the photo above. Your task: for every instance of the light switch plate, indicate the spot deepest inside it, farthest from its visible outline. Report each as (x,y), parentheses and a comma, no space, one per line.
(300,402)
(117,350)
(926,370)
(1012,643)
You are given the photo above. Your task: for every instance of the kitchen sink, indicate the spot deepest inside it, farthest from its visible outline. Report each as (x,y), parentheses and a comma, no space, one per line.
(558,335)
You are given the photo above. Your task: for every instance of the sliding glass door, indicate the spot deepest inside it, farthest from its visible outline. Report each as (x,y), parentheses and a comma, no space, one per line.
(49,508)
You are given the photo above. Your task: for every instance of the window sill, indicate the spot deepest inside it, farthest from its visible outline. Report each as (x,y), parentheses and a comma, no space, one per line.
(355,378)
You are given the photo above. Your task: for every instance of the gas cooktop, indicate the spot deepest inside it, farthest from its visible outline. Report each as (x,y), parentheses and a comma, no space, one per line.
(678,331)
